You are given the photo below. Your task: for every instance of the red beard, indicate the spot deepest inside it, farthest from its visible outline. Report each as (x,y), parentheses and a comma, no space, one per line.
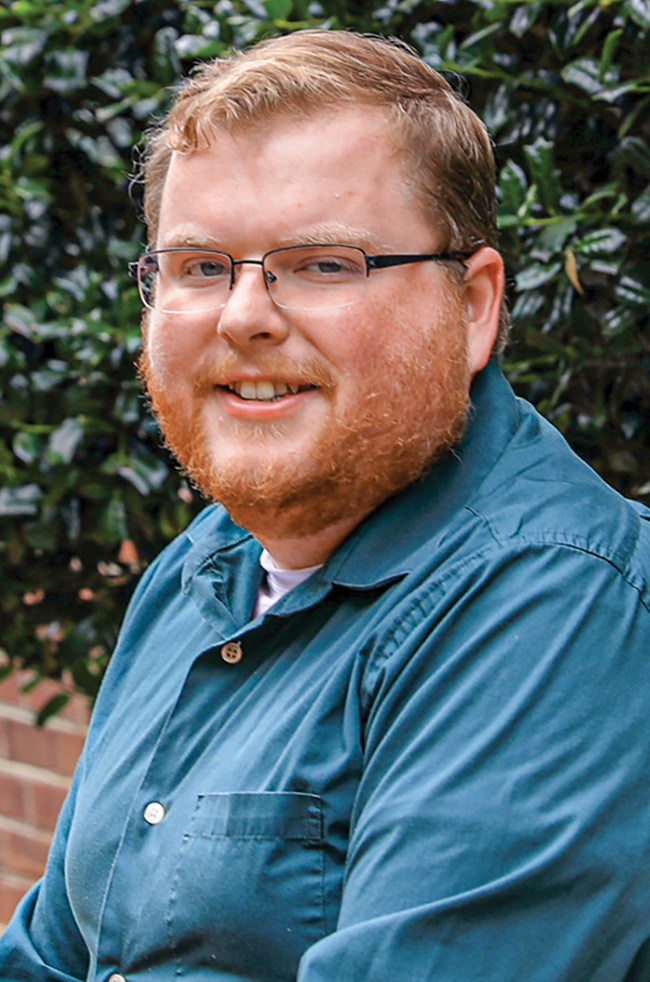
(414,412)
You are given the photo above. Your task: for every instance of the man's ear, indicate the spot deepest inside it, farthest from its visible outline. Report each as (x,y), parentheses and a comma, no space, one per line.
(484,283)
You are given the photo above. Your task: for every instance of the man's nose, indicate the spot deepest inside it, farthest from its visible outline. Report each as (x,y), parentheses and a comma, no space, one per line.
(249,315)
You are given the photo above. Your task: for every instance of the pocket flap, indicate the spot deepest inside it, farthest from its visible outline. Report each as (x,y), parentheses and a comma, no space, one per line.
(259,814)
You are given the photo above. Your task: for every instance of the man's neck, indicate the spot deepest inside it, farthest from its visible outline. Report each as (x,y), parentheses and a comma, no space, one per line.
(308,550)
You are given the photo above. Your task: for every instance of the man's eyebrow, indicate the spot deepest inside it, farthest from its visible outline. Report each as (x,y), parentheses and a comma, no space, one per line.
(334,232)
(327,233)
(194,239)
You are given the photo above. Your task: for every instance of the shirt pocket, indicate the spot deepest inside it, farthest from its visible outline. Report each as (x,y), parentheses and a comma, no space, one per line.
(247,891)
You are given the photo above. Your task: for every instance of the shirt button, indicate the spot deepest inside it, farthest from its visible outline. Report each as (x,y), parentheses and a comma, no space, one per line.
(116,977)
(232,652)
(153,813)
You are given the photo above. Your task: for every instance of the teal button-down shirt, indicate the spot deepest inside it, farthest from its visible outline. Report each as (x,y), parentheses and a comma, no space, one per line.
(430,762)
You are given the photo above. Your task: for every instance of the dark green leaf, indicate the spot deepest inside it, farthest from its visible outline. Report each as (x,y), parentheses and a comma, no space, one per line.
(634,286)
(634,153)
(614,93)
(52,707)
(278,9)
(604,241)
(192,46)
(106,9)
(474,39)
(5,671)
(641,207)
(113,527)
(540,156)
(552,237)
(536,275)
(631,290)
(585,73)
(22,45)
(619,321)
(524,17)
(27,446)
(66,70)
(609,49)
(639,11)
(527,305)
(513,186)
(64,441)
(166,64)
(20,501)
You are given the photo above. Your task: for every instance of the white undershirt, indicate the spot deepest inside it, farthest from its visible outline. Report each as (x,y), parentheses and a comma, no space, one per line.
(277,582)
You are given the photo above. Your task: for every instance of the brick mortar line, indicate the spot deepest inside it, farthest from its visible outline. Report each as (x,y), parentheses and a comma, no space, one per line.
(41,774)
(15,825)
(16,879)
(20,715)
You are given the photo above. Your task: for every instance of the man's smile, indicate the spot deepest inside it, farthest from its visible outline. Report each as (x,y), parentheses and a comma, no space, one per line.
(264,390)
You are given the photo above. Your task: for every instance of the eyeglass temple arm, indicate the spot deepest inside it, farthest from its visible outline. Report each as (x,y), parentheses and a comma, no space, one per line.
(381,262)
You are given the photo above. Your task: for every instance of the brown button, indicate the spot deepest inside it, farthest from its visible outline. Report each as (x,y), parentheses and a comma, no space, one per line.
(153,813)
(232,652)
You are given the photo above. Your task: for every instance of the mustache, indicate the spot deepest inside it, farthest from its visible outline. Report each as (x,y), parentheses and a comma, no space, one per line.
(218,371)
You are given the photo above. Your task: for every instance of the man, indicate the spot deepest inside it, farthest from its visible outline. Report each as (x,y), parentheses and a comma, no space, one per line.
(381,713)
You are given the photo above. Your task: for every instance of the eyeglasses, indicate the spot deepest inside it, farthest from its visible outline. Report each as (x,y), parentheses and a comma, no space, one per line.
(301,277)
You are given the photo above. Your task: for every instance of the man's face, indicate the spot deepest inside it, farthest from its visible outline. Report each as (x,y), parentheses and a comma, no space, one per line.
(383,383)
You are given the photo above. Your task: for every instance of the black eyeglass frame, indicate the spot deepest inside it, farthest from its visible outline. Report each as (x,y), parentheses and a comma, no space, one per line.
(372,262)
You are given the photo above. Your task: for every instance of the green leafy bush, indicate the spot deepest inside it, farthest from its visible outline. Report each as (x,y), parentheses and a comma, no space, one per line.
(87,494)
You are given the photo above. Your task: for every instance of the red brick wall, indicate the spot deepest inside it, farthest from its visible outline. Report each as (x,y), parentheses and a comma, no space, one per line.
(36,765)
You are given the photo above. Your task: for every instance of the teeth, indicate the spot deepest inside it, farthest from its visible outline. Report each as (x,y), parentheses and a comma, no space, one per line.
(264,390)
(247,390)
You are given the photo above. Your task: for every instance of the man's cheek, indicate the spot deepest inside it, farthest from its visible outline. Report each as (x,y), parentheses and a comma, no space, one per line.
(169,354)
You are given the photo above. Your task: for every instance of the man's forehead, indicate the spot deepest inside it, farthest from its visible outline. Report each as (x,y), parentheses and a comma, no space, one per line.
(364,127)
(336,173)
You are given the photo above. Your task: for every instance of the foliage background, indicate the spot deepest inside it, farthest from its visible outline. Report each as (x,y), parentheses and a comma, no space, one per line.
(87,494)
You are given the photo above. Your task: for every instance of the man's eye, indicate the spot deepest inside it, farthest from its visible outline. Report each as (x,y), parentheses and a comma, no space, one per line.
(204,269)
(329,266)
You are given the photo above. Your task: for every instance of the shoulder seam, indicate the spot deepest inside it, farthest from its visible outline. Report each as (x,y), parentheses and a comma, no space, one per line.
(422,600)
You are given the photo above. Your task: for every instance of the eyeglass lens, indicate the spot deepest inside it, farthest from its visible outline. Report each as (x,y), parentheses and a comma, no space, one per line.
(298,277)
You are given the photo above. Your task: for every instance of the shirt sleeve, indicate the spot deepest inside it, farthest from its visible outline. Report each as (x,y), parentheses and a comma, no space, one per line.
(42,942)
(502,826)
